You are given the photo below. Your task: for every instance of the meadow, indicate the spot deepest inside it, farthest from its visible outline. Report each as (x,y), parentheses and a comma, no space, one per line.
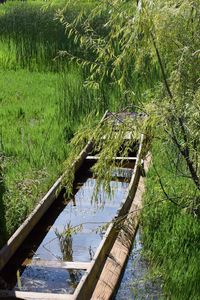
(32,141)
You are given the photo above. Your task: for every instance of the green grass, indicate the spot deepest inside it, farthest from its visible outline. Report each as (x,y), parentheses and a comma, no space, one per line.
(32,140)
(170,232)
(34,35)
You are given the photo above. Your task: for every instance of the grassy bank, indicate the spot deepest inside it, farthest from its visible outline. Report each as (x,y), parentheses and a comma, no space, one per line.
(171,230)
(32,141)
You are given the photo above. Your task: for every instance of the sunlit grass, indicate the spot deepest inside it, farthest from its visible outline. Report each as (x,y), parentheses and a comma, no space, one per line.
(170,231)
(32,140)
(32,31)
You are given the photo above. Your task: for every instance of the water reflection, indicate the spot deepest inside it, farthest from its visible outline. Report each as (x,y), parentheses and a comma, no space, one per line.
(65,241)
(59,236)
(48,280)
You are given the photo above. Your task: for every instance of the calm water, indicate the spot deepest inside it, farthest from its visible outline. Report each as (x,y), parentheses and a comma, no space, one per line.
(51,242)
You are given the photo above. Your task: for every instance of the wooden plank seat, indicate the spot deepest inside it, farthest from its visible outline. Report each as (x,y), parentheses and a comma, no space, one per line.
(57,264)
(118,158)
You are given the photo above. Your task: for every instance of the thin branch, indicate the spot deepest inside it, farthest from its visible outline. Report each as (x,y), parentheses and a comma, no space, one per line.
(164,191)
(161,67)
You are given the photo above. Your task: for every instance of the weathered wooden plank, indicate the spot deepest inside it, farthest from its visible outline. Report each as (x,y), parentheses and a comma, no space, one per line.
(127,158)
(88,282)
(115,263)
(57,264)
(6,294)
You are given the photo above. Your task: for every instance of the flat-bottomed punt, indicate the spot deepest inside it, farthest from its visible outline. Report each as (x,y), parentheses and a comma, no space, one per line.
(62,251)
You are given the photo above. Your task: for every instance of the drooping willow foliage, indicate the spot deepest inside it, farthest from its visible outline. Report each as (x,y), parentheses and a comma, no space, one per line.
(141,37)
(110,138)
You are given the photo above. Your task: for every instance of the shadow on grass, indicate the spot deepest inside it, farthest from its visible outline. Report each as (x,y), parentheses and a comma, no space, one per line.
(3,231)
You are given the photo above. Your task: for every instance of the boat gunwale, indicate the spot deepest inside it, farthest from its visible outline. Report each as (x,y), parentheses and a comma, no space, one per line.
(116,261)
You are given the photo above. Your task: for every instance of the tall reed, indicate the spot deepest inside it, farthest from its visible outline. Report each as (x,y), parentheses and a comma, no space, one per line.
(32,31)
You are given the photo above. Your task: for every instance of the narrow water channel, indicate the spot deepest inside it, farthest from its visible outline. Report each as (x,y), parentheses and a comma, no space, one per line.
(136,284)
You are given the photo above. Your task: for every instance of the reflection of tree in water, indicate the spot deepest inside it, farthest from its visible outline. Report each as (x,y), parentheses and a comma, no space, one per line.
(65,240)
(66,247)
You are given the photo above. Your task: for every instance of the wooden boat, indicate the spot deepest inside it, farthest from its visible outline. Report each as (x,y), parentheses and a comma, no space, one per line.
(102,273)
